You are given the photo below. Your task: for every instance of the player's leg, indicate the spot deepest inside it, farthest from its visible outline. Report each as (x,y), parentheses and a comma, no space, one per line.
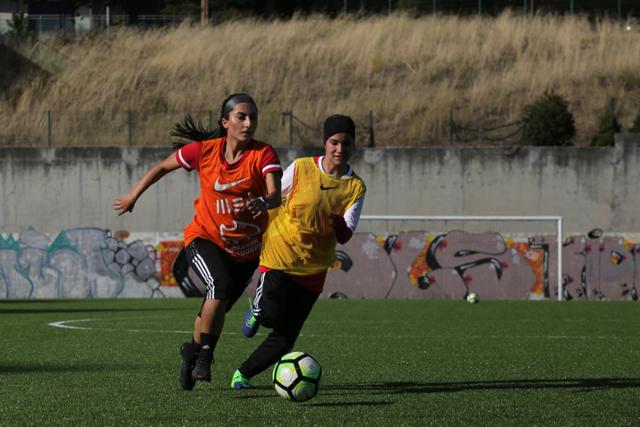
(212,266)
(189,353)
(211,324)
(242,273)
(284,306)
(270,297)
(191,286)
(250,323)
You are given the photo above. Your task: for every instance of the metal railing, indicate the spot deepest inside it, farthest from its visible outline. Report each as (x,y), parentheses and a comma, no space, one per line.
(96,128)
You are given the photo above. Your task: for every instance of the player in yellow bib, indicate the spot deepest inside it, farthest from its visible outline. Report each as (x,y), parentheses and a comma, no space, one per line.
(322,200)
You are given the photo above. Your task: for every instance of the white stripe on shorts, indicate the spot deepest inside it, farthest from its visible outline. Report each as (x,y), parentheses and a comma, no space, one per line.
(201,266)
(255,307)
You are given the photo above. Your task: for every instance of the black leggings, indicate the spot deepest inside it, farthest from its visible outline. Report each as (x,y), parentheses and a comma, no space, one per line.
(283,305)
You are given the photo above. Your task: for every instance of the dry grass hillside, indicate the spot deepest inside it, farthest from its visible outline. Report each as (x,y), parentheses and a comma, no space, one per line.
(411,72)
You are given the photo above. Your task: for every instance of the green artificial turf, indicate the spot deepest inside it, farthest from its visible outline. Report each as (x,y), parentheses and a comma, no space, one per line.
(399,362)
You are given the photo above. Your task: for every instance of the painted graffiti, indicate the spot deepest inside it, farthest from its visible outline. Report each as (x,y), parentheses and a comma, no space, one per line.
(95,263)
(495,266)
(79,263)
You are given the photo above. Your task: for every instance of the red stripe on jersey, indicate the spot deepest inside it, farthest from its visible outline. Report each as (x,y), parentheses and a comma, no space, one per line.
(188,156)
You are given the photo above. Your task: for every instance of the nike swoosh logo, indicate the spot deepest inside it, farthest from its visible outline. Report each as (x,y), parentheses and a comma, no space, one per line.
(222,187)
(322,187)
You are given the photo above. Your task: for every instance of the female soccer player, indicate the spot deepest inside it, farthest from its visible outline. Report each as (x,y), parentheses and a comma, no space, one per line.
(322,202)
(239,181)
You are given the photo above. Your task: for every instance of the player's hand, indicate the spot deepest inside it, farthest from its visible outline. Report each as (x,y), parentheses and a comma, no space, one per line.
(256,205)
(336,220)
(124,204)
(339,224)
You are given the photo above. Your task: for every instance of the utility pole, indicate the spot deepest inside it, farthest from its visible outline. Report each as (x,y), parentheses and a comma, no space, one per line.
(204,12)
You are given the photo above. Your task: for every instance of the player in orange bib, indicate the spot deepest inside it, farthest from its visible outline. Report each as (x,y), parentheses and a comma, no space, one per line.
(322,202)
(239,182)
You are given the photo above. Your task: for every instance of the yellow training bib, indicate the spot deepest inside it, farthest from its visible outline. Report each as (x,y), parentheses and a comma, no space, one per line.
(299,239)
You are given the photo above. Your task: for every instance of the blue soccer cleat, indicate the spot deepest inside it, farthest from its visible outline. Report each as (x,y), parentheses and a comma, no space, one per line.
(250,325)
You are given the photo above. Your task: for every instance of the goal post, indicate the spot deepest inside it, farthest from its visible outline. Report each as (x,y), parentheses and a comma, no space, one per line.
(495,218)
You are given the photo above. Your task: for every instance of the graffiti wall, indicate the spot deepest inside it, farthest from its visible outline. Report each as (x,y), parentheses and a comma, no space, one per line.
(96,263)
(84,263)
(495,266)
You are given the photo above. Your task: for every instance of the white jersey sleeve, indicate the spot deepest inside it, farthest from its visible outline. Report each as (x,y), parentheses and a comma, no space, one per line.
(287,180)
(352,215)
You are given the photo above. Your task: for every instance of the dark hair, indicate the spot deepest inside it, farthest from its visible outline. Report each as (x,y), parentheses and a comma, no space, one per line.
(189,130)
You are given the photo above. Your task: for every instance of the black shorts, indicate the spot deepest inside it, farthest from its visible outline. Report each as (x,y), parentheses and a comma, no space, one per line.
(224,277)
(282,304)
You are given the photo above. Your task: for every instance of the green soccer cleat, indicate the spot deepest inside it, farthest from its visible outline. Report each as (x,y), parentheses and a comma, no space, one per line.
(239,381)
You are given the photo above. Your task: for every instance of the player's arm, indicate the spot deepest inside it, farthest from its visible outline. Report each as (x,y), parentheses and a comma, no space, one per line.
(345,226)
(272,172)
(273,199)
(126,203)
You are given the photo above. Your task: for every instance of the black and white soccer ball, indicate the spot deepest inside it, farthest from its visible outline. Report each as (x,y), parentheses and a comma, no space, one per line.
(296,376)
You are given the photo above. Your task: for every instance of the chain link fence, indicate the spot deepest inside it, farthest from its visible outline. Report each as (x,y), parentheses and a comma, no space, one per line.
(69,24)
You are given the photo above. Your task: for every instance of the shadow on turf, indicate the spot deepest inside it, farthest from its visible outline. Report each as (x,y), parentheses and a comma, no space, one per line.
(272,395)
(578,384)
(343,404)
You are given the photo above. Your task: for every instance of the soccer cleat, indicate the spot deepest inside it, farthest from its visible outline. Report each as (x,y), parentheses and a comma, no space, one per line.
(202,369)
(189,354)
(250,325)
(239,381)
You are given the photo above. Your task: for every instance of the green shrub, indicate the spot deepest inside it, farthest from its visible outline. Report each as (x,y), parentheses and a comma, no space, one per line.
(548,122)
(635,127)
(608,127)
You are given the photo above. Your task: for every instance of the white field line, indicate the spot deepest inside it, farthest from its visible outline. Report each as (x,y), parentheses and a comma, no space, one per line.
(66,324)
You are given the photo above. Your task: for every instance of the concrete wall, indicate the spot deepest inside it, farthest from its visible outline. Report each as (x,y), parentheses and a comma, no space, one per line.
(57,188)
(59,237)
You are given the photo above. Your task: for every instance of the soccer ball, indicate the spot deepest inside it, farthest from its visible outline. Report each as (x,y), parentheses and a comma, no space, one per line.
(296,376)
(472,298)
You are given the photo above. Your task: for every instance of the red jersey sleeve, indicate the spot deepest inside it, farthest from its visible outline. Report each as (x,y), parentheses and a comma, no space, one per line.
(270,161)
(188,156)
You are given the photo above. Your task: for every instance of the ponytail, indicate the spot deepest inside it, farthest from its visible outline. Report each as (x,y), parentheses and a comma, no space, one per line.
(188,130)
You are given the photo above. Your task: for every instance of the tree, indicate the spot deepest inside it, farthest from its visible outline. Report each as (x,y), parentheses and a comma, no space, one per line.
(548,122)
(635,127)
(609,126)
(18,28)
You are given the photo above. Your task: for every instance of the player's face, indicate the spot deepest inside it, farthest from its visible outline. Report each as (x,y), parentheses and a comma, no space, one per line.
(338,149)
(242,122)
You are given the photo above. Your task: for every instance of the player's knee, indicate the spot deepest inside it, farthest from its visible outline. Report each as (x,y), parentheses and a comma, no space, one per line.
(283,343)
(266,320)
